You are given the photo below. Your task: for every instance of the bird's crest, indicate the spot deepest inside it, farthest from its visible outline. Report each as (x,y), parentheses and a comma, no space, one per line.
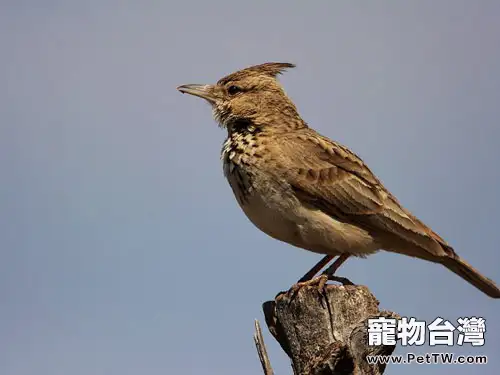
(270,69)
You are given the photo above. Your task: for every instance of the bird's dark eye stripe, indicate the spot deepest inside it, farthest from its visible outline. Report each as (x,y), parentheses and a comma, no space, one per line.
(233,89)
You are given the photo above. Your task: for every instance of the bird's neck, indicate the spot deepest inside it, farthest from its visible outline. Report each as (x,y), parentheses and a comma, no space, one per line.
(270,123)
(243,127)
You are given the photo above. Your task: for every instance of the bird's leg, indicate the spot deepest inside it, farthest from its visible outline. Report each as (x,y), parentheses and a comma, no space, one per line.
(308,279)
(330,271)
(317,267)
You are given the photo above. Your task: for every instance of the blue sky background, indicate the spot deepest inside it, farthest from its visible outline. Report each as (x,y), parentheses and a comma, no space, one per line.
(122,249)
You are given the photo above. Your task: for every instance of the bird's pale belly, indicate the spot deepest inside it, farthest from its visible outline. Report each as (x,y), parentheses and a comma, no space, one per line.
(282,216)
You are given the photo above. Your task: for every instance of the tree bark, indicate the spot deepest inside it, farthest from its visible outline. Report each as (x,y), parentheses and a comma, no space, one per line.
(324,331)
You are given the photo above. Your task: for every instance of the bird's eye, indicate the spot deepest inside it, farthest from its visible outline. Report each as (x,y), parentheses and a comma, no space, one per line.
(233,90)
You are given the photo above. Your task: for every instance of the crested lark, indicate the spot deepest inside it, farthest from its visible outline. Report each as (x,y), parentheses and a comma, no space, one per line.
(304,189)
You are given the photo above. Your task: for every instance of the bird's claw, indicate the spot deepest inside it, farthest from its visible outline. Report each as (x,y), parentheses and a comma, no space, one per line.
(319,282)
(340,279)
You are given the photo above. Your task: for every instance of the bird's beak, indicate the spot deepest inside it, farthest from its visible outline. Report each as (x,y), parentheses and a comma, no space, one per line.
(203,91)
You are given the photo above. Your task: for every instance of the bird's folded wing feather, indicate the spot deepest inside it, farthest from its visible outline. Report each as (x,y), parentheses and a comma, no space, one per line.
(331,178)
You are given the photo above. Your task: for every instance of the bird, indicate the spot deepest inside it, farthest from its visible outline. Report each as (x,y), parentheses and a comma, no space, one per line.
(304,189)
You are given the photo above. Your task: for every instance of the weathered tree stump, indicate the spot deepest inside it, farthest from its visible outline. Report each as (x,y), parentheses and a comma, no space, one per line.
(325,332)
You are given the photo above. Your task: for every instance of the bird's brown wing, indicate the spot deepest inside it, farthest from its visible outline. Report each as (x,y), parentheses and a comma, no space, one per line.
(333,179)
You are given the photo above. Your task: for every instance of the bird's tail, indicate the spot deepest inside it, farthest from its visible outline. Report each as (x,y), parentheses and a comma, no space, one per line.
(468,273)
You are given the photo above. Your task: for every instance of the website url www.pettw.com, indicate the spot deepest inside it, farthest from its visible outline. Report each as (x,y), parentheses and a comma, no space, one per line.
(428,358)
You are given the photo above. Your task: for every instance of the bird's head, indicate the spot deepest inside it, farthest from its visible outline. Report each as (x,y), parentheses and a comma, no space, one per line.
(252,96)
